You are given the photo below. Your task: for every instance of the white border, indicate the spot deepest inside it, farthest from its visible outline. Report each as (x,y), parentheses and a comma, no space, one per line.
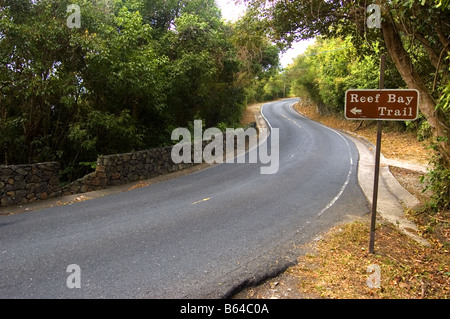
(381,119)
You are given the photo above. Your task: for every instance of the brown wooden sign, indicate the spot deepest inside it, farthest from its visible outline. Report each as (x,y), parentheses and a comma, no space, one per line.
(386,105)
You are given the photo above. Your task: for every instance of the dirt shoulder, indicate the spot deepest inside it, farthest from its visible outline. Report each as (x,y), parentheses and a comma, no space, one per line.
(249,113)
(337,268)
(400,146)
(337,263)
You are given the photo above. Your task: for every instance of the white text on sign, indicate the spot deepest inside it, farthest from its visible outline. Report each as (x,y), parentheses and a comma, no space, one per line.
(391,105)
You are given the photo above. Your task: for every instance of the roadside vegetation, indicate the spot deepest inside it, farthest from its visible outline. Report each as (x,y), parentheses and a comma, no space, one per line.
(322,90)
(133,71)
(336,263)
(345,56)
(413,34)
(322,86)
(137,69)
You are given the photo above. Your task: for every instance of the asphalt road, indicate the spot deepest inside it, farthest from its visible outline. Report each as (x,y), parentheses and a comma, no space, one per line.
(198,236)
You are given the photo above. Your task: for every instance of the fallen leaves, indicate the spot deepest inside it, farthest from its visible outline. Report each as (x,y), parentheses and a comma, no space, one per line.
(338,269)
(338,266)
(80,198)
(139,185)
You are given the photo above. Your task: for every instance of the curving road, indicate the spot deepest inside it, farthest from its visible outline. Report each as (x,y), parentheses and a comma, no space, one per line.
(198,236)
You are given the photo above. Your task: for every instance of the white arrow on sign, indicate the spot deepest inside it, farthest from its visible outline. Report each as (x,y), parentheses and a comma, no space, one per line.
(356,111)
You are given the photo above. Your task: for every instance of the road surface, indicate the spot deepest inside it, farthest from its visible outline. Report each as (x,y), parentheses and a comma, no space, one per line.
(198,236)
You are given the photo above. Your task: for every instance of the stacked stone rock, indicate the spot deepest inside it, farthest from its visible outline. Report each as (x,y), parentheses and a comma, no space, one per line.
(118,169)
(20,184)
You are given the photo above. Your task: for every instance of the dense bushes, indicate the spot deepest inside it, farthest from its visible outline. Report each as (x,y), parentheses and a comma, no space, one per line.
(332,66)
(135,70)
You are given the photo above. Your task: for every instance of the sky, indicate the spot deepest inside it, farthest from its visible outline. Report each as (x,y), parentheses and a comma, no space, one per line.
(232,12)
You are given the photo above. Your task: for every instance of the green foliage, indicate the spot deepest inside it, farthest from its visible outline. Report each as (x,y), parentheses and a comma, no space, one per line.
(438,181)
(444,101)
(328,69)
(134,71)
(419,50)
(438,178)
(443,4)
(414,35)
(92,165)
(258,58)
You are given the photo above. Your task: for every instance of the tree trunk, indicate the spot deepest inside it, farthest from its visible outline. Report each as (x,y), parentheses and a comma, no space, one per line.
(412,79)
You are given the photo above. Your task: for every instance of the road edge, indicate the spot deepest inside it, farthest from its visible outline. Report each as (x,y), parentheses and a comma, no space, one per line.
(261,123)
(393,198)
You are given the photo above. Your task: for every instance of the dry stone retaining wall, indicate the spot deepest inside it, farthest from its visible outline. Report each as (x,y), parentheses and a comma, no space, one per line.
(118,169)
(21,184)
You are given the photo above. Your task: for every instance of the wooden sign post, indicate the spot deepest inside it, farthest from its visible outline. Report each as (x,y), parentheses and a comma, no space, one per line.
(380,105)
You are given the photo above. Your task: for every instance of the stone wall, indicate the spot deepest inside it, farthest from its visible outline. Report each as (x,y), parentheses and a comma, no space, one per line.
(20,184)
(118,169)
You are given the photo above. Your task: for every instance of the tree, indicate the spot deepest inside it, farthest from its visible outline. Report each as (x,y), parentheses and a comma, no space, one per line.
(257,54)
(161,14)
(39,72)
(414,33)
(133,71)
